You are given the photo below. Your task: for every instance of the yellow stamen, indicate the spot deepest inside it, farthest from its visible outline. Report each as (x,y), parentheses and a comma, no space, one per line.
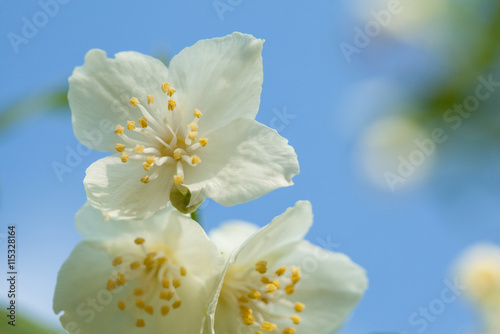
(139,241)
(247,319)
(254,294)
(124,156)
(134,265)
(192,135)
(203,141)
(183,271)
(121,280)
(197,113)
(295,275)
(121,305)
(177,304)
(165,283)
(268,326)
(150,160)
(176,282)
(134,101)
(151,98)
(271,288)
(195,159)
(117,261)
(281,271)
(143,122)
(139,149)
(193,126)
(140,323)
(299,307)
(171,104)
(120,147)
(161,260)
(177,155)
(146,166)
(289,331)
(140,303)
(119,129)
(265,280)
(166,295)
(261,267)
(167,88)
(111,285)
(289,289)
(149,310)
(243,299)
(178,179)
(277,284)
(130,125)
(164,310)
(296,319)
(245,310)
(145,179)
(138,292)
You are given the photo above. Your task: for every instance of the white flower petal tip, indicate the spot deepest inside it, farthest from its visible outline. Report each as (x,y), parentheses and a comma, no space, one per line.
(127,277)
(190,125)
(275,281)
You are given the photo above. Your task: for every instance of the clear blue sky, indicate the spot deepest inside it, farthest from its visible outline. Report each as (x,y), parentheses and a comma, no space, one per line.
(405,240)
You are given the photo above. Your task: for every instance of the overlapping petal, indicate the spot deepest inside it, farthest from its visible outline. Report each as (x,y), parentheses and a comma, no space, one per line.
(91,307)
(329,290)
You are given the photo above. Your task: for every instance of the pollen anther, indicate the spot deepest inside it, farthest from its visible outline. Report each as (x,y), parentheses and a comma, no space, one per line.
(151,98)
(130,125)
(134,101)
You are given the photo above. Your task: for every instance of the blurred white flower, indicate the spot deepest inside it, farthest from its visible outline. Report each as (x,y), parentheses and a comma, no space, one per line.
(479,270)
(189,128)
(396,152)
(127,277)
(408,19)
(265,288)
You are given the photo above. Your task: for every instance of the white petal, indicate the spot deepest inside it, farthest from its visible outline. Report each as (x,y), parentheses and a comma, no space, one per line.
(116,189)
(222,77)
(241,162)
(330,287)
(284,231)
(99,92)
(82,279)
(231,235)
(91,224)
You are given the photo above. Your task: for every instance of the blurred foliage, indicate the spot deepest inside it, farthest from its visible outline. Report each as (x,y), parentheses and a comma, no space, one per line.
(23,326)
(462,80)
(53,100)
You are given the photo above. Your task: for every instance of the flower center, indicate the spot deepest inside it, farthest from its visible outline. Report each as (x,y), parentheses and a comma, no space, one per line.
(155,280)
(263,297)
(163,138)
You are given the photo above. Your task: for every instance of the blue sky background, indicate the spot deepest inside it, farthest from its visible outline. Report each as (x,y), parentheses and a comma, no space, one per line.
(406,240)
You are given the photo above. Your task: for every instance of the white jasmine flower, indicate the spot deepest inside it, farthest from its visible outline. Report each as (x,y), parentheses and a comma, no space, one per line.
(188,129)
(154,276)
(479,270)
(276,281)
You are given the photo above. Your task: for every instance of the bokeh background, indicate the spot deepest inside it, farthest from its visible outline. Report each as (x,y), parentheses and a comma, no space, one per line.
(359,87)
